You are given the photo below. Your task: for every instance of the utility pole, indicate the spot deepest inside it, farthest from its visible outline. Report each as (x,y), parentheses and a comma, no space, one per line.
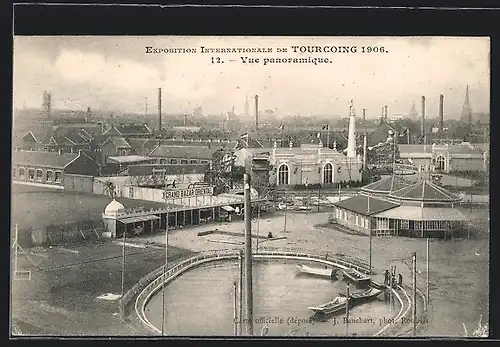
(369,229)
(123,261)
(428,263)
(15,252)
(390,289)
(347,310)
(258,229)
(240,292)
(319,196)
(248,256)
(414,307)
(235,310)
(286,208)
(165,267)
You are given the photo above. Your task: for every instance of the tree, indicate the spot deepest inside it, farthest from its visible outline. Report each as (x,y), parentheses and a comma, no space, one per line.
(110,189)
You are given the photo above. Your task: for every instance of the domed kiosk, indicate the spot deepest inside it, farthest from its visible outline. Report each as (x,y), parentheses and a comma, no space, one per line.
(112,210)
(392,206)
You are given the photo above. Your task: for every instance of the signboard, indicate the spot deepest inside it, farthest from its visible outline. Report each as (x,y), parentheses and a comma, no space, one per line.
(186,193)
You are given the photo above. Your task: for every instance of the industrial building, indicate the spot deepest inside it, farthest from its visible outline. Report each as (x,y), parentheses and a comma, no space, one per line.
(56,170)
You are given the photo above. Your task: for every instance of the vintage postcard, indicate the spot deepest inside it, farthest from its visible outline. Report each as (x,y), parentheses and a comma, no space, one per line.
(250,186)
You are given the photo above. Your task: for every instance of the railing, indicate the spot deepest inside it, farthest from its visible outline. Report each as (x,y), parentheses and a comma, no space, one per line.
(149,290)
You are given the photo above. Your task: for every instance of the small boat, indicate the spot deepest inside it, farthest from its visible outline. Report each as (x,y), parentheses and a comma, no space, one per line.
(365,295)
(334,306)
(315,271)
(356,277)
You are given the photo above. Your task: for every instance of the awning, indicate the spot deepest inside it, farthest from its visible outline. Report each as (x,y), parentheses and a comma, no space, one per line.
(228,208)
(146,218)
(417,213)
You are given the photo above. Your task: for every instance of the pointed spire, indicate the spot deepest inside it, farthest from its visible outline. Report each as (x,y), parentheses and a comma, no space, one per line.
(413,112)
(467,108)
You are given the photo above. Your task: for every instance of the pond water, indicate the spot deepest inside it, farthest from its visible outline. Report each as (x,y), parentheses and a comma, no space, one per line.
(201,303)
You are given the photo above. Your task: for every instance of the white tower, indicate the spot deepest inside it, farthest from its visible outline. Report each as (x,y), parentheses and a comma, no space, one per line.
(351,141)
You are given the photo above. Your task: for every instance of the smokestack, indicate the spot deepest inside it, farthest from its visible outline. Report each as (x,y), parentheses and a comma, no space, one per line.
(386,115)
(185,119)
(256,112)
(351,141)
(422,129)
(441,114)
(364,114)
(159,109)
(364,152)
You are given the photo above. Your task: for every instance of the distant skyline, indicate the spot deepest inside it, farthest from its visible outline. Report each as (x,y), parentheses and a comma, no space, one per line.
(115,74)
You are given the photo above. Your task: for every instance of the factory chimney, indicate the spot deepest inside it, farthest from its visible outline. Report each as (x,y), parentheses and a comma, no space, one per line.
(422,125)
(365,156)
(256,112)
(185,119)
(364,114)
(351,141)
(159,110)
(441,113)
(386,115)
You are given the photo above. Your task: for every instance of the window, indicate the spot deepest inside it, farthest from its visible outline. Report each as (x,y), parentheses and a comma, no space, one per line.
(163,161)
(173,161)
(31,174)
(39,175)
(21,173)
(204,161)
(49,176)
(328,173)
(184,161)
(13,172)
(283,173)
(193,161)
(440,163)
(58,177)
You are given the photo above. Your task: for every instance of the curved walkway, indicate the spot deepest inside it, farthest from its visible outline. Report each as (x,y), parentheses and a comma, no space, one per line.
(145,295)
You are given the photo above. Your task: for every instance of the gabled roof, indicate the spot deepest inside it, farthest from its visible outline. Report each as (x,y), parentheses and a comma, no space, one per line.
(386,185)
(191,152)
(131,129)
(30,135)
(43,159)
(366,205)
(118,142)
(77,138)
(125,159)
(424,191)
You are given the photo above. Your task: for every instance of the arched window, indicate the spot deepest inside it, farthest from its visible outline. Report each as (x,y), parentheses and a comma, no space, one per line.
(440,163)
(283,172)
(328,173)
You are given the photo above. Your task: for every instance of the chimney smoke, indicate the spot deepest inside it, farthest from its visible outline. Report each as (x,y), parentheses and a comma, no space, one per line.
(441,113)
(159,110)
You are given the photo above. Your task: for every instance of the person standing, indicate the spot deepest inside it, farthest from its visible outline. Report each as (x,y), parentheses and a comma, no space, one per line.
(386,278)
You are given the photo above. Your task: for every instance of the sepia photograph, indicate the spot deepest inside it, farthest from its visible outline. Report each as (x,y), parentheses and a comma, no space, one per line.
(239,186)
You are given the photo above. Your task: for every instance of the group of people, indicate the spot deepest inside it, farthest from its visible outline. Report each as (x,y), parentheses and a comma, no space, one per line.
(387,279)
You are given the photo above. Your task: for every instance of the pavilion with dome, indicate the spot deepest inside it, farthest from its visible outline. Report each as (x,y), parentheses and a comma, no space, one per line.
(116,222)
(394,206)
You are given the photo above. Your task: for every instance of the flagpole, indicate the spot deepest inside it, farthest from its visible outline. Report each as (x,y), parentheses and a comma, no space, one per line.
(328,135)
(123,259)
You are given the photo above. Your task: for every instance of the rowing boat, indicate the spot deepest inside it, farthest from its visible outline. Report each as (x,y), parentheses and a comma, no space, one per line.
(334,306)
(315,271)
(365,295)
(356,277)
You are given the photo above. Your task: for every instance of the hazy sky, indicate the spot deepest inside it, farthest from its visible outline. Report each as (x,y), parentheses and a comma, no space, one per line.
(115,73)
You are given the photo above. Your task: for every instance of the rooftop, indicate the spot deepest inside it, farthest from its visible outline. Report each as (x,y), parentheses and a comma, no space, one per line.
(365,205)
(188,152)
(129,159)
(42,159)
(386,185)
(424,191)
